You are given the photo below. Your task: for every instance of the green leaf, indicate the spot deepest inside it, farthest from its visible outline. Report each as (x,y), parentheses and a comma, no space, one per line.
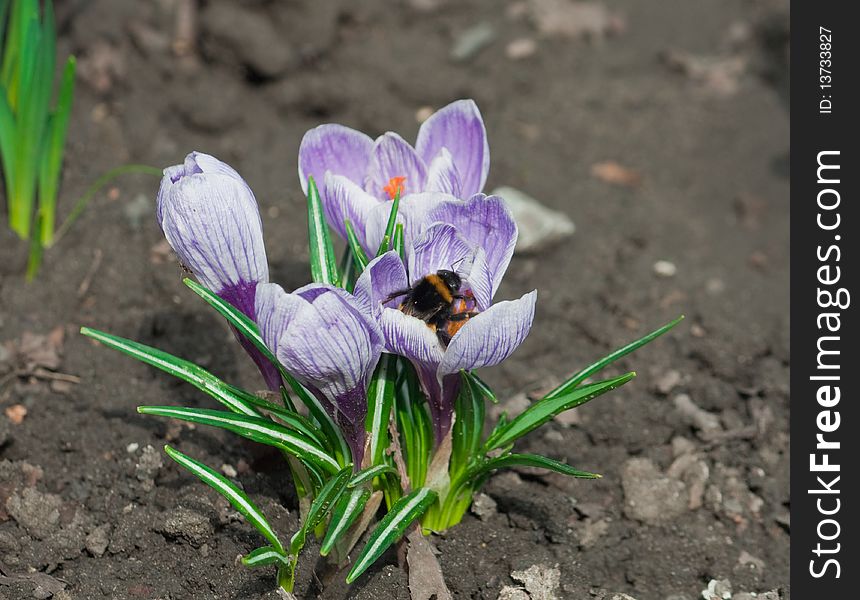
(397,242)
(369,474)
(261,557)
(391,528)
(358,253)
(380,399)
(526,460)
(257,429)
(321,506)
(468,425)
(52,155)
(542,411)
(479,384)
(389,228)
(593,368)
(228,489)
(323,261)
(345,513)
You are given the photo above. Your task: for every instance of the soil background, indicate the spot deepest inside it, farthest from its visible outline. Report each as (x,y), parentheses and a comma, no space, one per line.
(687,103)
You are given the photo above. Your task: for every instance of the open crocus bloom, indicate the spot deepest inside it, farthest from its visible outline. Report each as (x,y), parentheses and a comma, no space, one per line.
(326,339)
(355,173)
(210,218)
(485,339)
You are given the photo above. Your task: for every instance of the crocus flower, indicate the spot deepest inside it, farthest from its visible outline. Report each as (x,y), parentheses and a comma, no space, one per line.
(475,239)
(210,218)
(355,173)
(327,339)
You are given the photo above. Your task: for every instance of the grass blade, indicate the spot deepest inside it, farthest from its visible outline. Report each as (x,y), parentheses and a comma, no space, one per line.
(481,386)
(345,513)
(391,528)
(257,429)
(233,494)
(542,411)
(358,253)
(380,399)
(390,226)
(323,261)
(261,557)
(320,508)
(593,368)
(369,474)
(526,460)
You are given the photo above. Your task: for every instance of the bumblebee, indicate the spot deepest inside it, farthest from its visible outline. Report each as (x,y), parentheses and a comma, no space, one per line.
(437,300)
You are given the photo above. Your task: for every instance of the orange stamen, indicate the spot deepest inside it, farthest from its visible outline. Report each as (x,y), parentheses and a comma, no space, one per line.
(394,187)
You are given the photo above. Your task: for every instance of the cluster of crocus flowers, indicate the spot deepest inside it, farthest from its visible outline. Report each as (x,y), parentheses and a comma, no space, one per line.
(331,340)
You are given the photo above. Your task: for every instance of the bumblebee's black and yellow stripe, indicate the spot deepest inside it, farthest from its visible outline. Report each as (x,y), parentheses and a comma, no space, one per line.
(436,299)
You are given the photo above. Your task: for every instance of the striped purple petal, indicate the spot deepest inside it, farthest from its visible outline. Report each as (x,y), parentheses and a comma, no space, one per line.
(392,156)
(334,148)
(458,128)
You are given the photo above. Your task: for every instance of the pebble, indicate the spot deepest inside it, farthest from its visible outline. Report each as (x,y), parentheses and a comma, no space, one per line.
(423,113)
(718,590)
(513,593)
(229,470)
(36,512)
(706,423)
(668,382)
(132,447)
(471,41)
(650,496)
(539,226)
(98,540)
(186,524)
(754,562)
(541,581)
(520,48)
(664,268)
(483,506)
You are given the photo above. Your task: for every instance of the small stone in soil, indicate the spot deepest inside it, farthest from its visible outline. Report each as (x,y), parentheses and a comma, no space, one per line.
(718,590)
(706,423)
(668,382)
(149,464)
(650,496)
(132,447)
(520,48)
(483,506)
(37,513)
(229,470)
(98,540)
(664,268)
(185,524)
(539,226)
(513,593)
(541,581)
(470,42)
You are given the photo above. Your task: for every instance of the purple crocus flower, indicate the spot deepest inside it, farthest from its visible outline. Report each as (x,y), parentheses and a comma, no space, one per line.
(210,218)
(355,173)
(328,340)
(475,239)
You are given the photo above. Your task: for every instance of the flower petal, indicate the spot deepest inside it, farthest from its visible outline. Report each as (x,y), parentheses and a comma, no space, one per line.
(210,217)
(490,337)
(344,200)
(384,276)
(275,310)
(392,157)
(443,175)
(486,222)
(440,247)
(410,337)
(412,213)
(459,128)
(330,346)
(335,148)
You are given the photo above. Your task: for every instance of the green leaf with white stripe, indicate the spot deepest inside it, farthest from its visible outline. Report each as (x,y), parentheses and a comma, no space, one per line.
(257,429)
(391,528)
(261,557)
(320,508)
(369,474)
(380,399)
(322,258)
(526,460)
(577,378)
(346,512)
(468,426)
(233,494)
(542,411)
(359,256)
